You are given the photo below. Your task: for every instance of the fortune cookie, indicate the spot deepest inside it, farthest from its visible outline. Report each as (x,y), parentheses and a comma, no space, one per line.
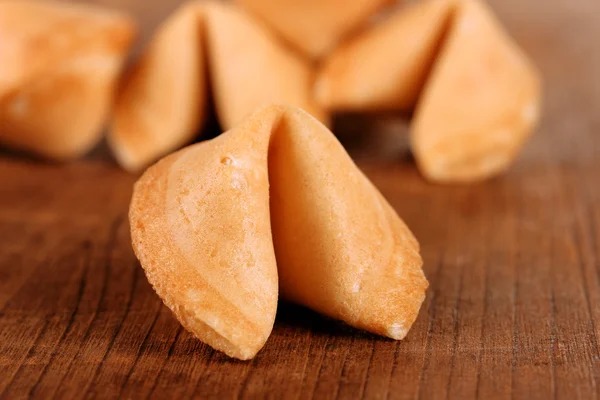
(476,94)
(216,223)
(59,64)
(162,104)
(314,26)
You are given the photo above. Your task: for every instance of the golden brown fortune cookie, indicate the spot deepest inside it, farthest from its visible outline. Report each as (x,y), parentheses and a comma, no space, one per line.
(314,27)
(59,64)
(162,104)
(214,224)
(476,94)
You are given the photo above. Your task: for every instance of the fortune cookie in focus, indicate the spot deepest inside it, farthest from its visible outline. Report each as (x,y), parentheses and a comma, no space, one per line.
(216,223)
(476,94)
(163,102)
(59,66)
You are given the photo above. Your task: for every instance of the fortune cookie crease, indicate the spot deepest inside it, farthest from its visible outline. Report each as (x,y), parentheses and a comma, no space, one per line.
(59,66)
(314,27)
(217,224)
(477,96)
(162,104)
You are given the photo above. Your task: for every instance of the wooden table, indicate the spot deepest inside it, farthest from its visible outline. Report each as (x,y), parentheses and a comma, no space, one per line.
(514,265)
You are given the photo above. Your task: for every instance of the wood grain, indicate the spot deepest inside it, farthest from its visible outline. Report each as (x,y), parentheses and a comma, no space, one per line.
(514,265)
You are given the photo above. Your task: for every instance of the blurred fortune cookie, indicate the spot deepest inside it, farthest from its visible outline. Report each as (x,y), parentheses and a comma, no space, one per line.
(164,100)
(217,224)
(477,96)
(314,27)
(59,66)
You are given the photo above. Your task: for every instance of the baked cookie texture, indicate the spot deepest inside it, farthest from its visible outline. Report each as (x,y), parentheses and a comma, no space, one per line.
(214,225)
(475,95)
(203,44)
(59,67)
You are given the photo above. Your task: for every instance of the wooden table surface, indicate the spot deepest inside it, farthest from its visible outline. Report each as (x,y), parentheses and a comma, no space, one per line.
(513,308)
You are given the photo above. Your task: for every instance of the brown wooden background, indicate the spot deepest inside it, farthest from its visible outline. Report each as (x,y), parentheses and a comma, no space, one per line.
(514,266)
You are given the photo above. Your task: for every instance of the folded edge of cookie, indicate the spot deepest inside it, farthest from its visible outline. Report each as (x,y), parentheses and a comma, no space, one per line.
(477,95)
(200,227)
(385,67)
(58,75)
(215,223)
(340,247)
(480,104)
(162,99)
(162,103)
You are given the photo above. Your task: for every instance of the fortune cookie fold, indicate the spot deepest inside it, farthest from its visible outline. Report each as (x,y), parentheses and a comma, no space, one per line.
(214,223)
(162,103)
(385,68)
(480,104)
(476,94)
(200,226)
(341,249)
(314,27)
(59,64)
